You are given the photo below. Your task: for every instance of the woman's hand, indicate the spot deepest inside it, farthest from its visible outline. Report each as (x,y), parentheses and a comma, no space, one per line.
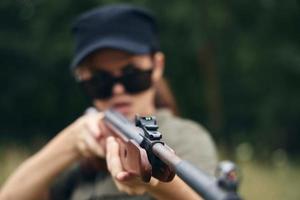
(133,185)
(89,133)
(125,182)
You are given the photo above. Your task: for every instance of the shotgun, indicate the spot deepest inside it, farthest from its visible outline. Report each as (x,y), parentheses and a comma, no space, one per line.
(143,153)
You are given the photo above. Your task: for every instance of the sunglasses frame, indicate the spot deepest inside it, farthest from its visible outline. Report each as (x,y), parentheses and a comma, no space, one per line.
(100,85)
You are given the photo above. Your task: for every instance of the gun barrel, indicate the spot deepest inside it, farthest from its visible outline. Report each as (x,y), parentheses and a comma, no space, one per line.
(201,182)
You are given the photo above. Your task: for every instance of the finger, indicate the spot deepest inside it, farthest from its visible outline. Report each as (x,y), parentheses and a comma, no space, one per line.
(153,181)
(93,123)
(93,145)
(112,156)
(91,110)
(104,130)
(97,131)
(83,144)
(83,150)
(124,176)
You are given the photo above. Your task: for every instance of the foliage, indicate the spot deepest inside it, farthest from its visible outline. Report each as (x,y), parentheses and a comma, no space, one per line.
(237,61)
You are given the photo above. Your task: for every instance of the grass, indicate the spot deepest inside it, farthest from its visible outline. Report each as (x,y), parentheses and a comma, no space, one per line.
(11,156)
(259,181)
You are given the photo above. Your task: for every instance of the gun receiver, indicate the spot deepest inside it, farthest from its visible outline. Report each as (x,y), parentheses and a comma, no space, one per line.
(136,146)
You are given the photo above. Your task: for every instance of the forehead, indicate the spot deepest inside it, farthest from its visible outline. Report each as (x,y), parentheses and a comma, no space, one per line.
(111,60)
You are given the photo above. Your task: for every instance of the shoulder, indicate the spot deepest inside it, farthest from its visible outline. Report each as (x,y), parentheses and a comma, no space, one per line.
(170,124)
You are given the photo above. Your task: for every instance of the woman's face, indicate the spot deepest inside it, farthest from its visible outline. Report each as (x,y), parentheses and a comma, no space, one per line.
(114,62)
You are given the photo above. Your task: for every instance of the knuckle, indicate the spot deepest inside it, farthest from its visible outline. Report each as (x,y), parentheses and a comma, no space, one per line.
(81,120)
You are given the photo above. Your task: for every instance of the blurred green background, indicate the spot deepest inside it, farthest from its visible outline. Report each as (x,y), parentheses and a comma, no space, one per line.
(233,65)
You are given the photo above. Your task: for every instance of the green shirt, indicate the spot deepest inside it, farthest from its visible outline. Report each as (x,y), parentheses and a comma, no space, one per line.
(189,140)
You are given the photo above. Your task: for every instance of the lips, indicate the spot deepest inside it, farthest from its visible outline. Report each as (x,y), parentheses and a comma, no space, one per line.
(122,107)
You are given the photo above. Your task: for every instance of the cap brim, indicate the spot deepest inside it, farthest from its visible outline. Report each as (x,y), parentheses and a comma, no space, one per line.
(113,43)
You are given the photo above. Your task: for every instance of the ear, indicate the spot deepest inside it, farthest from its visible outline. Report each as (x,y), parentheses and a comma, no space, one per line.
(82,73)
(159,65)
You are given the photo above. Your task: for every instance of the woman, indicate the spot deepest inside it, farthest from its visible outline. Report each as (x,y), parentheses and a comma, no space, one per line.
(118,64)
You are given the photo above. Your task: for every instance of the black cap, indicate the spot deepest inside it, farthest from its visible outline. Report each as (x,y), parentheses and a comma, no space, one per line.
(124,27)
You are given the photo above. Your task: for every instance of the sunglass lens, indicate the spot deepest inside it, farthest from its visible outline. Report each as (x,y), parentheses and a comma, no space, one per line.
(99,87)
(137,81)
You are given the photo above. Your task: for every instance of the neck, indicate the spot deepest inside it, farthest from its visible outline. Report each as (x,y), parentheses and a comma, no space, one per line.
(147,111)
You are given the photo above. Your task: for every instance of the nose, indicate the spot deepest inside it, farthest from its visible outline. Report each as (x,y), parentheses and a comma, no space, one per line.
(118,89)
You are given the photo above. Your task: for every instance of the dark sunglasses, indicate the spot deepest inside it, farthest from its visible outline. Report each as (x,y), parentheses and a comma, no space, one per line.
(134,80)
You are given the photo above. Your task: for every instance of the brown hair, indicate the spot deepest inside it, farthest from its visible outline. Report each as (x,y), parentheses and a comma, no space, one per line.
(164,97)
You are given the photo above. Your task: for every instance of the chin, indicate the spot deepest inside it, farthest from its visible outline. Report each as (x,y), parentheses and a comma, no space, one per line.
(128,113)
